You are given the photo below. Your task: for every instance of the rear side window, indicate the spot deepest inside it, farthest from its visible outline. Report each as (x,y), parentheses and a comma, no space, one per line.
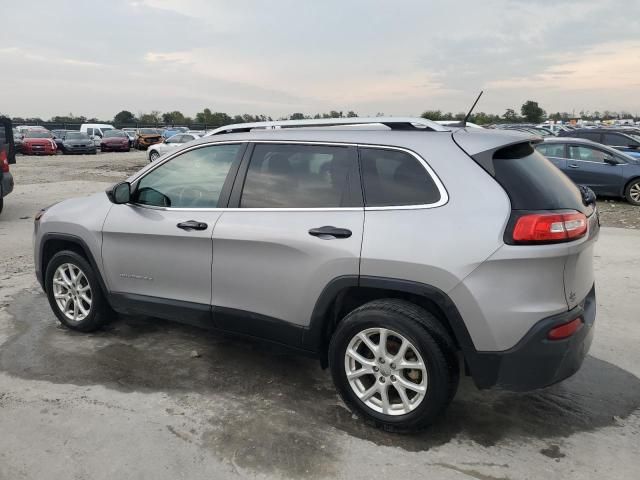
(395,178)
(593,136)
(618,140)
(533,182)
(301,176)
(551,149)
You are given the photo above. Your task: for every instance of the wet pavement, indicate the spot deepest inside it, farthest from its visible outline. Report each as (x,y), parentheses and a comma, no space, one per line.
(283,407)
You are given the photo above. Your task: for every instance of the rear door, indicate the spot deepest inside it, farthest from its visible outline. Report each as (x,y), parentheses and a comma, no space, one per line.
(586,166)
(6,140)
(296,225)
(157,249)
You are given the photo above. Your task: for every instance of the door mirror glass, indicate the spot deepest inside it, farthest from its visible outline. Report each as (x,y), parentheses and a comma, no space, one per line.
(120,193)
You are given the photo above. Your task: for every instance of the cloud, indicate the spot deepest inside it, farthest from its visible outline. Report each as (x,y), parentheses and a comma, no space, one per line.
(278,57)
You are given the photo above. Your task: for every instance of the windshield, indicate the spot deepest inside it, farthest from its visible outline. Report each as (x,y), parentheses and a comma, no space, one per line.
(76,136)
(148,131)
(114,133)
(38,134)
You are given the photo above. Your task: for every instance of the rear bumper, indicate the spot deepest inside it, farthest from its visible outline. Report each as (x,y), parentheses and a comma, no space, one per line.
(536,362)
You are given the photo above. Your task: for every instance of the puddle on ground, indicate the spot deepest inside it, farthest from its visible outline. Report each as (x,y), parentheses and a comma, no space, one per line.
(284,404)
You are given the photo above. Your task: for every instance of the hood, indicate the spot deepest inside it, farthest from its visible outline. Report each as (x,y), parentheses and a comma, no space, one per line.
(115,140)
(149,136)
(38,141)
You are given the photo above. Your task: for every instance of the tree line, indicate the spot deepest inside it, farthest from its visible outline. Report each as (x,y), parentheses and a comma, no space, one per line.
(530,112)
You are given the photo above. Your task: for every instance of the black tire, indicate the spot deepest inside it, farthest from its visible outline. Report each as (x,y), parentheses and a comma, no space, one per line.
(153,156)
(431,340)
(99,312)
(633,185)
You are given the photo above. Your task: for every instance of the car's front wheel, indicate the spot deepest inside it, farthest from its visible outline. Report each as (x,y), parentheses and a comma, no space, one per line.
(394,364)
(74,292)
(632,192)
(153,156)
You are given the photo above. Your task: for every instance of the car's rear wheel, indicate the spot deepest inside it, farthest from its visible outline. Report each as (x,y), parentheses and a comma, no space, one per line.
(153,156)
(74,292)
(632,192)
(394,364)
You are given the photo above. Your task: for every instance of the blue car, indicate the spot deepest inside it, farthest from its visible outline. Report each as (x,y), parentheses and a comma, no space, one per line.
(606,170)
(626,141)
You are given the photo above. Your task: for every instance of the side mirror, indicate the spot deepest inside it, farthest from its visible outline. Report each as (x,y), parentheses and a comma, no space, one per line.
(120,193)
(610,161)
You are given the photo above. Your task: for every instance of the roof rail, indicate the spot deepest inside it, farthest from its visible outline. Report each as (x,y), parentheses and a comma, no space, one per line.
(394,123)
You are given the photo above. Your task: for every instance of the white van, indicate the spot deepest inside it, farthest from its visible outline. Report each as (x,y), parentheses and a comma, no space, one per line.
(95,131)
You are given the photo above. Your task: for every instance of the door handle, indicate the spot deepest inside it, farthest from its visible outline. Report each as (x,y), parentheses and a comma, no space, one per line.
(192,225)
(329,231)
(573,165)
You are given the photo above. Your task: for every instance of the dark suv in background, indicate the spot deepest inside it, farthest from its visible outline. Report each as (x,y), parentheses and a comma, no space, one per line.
(624,140)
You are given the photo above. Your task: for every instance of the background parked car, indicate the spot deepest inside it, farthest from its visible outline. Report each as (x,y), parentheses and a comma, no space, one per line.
(619,139)
(114,141)
(58,136)
(147,137)
(159,149)
(17,140)
(605,170)
(131,133)
(39,142)
(95,131)
(77,142)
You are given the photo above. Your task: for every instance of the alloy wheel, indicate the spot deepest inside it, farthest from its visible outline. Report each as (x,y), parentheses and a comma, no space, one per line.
(72,292)
(385,371)
(634,192)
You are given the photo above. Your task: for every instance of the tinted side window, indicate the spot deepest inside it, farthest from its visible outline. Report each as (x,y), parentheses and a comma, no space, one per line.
(594,136)
(193,179)
(395,178)
(551,149)
(586,154)
(617,140)
(300,176)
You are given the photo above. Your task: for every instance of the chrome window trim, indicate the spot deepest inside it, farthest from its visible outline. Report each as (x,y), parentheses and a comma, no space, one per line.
(444,195)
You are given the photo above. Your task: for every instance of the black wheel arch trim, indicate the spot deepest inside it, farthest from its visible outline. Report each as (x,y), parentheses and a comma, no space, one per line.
(66,237)
(322,320)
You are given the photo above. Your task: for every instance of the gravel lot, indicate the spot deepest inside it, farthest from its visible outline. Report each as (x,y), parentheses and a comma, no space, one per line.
(133,401)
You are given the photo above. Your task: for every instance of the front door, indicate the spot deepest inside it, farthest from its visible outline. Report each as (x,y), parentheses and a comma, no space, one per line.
(296,226)
(157,249)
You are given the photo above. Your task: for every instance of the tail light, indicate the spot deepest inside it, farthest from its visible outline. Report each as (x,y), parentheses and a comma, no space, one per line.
(4,162)
(565,330)
(540,228)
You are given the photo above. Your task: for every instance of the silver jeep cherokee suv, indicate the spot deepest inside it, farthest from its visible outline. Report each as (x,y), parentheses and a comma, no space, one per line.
(396,250)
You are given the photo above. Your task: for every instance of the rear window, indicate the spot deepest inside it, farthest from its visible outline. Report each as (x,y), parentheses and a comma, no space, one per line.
(395,178)
(533,182)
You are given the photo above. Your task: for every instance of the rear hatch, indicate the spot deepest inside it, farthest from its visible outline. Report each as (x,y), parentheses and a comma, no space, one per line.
(537,187)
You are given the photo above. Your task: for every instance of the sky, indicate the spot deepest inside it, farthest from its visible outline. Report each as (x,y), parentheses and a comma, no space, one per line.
(277,57)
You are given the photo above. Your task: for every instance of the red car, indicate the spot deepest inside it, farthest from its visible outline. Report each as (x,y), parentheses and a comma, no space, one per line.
(114,141)
(39,142)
